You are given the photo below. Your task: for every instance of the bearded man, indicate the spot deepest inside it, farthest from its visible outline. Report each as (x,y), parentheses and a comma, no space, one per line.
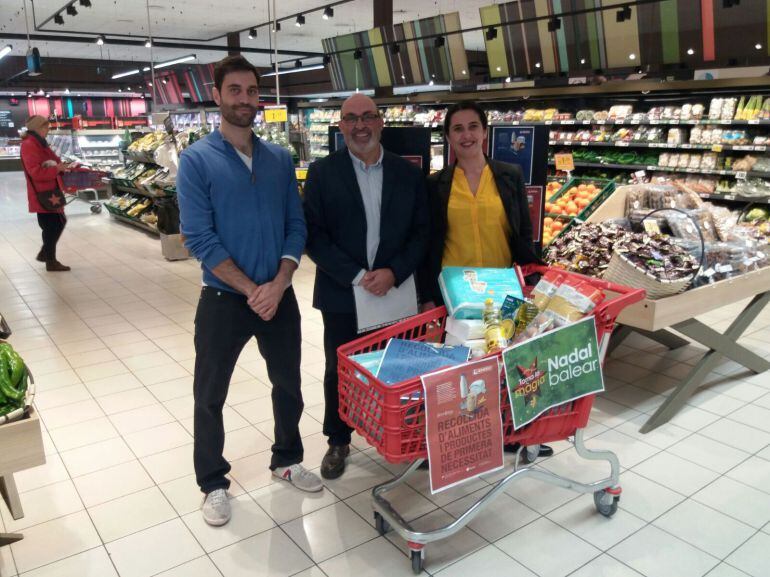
(241,217)
(367,219)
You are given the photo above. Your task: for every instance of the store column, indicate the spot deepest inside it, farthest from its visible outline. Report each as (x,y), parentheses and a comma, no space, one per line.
(383,16)
(233,43)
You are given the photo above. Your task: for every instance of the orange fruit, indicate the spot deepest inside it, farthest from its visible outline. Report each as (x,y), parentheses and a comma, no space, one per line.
(582,203)
(547,221)
(557,226)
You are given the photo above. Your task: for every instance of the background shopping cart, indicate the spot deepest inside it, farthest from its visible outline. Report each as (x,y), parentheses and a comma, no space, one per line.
(83,180)
(392,417)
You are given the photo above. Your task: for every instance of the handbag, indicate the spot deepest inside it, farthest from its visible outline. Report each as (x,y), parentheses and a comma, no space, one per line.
(51,200)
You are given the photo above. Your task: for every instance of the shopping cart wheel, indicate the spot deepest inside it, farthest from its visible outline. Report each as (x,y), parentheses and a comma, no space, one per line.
(530,454)
(418,558)
(381,524)
(96,208)
(606,503)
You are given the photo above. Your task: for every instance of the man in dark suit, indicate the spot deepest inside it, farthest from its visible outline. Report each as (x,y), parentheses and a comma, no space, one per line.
(367,221)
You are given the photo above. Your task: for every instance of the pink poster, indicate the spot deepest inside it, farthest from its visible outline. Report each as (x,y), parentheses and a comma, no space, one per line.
(463,424)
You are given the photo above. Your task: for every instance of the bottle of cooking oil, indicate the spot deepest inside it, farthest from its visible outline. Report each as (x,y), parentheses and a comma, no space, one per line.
(493,332)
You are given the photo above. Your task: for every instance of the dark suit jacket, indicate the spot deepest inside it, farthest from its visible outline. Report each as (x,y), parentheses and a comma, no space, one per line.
(510,186)
(336,223)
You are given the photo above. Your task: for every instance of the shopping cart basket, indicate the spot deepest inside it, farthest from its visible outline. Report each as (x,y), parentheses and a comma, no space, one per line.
(392,418)
(83,180)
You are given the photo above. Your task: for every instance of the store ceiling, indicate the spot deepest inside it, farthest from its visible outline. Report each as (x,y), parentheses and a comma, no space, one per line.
(197,21)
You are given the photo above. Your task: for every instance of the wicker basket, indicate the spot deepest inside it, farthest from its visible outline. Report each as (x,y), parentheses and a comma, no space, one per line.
(622,271)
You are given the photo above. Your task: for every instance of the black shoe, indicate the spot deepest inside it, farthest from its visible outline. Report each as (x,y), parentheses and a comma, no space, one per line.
(40,257)
(545,450)
(56,266)
(333,464)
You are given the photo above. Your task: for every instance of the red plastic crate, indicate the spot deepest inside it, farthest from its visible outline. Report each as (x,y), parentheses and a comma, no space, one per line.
(392,417)
(78,179)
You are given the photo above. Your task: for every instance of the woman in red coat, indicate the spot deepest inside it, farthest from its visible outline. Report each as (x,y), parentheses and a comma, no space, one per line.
(41,166)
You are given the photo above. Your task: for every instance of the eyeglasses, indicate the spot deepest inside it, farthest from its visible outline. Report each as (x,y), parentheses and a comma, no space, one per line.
(366,118)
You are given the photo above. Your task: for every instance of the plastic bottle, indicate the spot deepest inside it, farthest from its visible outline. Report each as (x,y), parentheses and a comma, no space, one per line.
(493,334)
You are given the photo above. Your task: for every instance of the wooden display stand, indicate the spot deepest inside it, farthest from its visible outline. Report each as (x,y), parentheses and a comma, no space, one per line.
(654,318)
(21,447)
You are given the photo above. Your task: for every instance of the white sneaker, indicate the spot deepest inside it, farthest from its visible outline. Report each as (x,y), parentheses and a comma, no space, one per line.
(216,508)
(300,477)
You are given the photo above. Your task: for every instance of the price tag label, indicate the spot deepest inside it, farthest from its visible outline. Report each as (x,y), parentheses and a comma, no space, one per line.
(569,122)
(740,175)
(584,143)
(753,121)
(276,114)
(548,122)
(716,148)
(654,122)
(622,144)
(601,122)
(651,227)
(564,161)
(434,125)
(301,173)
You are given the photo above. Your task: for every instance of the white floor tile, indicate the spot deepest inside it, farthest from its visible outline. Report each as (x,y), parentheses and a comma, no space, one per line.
(361,473)
(96,457)
(71,414)
(127,515)
(754,416)
(154,550)
(158,439)
(329,531)
(248,519)
(244,442)
(526,547)
(112,385)
(540,496)
(377,558)
(140,419)
(725,570)
(169,465)
(705,528)
(269,554)
(200,567)
(101,371)
(89,358)
(54,540)
(172,389)
(52,471)
(113,482)
(125,401)
(154,375)
(754,472)
(285,503)
(82,434)
(753,557)
(709,453)
(675,473)
(644,498)
(661,437)
(53,381)
(651,549)
(502,516)
(605,566)
(736,435)
(737,500)
(43,504)
(92,563)
(60,397)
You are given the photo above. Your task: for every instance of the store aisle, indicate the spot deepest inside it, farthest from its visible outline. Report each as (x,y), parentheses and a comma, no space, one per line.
(110,345)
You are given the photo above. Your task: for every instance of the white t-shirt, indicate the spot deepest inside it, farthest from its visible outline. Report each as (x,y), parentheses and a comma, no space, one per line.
(246,159)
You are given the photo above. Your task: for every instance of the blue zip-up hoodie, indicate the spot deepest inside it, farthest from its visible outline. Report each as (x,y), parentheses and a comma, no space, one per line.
(226,211)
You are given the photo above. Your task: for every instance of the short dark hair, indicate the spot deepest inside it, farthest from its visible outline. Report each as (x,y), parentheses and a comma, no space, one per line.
(464,105)
(235,63)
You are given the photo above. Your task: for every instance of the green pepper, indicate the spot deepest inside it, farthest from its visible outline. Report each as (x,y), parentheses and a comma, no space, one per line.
(15,363)
(5,383)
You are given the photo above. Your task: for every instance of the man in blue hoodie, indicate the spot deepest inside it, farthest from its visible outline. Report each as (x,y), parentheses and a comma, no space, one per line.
(242,218)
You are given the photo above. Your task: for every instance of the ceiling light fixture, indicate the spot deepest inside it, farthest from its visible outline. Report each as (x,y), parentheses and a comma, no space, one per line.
(71,10)
(298,63)
(293,70)
(252,33)
(100,40)
(491,33)
(690,51)
(537,65)
(632,56)
(438,42)
(758,46)
(357,54)
(582,61)
(148,43)
(85,3)
(464,72)
(328,13)
(327,59)
(300,21)
(58,19)
(124,74)
(554,24)
(508,79)
(277,27)
(395,48)
(66,91)
(5,50)
(623,14)
(175,61)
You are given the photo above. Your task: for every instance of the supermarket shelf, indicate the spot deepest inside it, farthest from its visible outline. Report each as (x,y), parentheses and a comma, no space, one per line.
(736,198)
(140,157)
(137,223)
(633,123)
(655,168)
(621,144)
(132,190)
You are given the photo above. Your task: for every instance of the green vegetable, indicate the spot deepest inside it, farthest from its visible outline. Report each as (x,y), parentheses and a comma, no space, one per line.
(15,363)
(6,388)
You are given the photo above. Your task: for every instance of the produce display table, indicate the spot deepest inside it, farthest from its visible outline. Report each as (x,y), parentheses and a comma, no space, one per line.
(656,319)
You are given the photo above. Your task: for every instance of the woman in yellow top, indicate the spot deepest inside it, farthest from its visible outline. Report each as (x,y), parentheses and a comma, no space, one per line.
(478,206)
(478,209)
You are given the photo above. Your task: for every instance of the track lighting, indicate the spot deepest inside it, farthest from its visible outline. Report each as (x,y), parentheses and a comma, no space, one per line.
(85,3)
(623,14)
(148,43)
(328,13)
(298,63)
(554,24)
(491,33)
(100,40)
(58,19)
(438,42)
(252,33)
(327,59)
(357,54)
(71,10)
(277,27)
(300,21)
(395,48)
(730,3)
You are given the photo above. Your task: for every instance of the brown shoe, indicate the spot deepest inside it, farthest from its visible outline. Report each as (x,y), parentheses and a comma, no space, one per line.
(56,266)
(333,464)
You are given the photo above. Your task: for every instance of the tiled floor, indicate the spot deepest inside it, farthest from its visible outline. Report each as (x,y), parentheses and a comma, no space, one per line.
(111,347)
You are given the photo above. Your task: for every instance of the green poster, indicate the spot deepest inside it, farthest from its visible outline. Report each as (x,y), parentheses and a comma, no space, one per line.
(552,369)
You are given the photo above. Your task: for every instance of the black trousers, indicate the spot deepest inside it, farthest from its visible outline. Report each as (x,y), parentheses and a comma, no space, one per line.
(339,329)
(224,323)
(52,224)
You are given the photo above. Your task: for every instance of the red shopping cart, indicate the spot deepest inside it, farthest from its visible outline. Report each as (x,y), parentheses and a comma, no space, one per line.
(83,180)
(392,418)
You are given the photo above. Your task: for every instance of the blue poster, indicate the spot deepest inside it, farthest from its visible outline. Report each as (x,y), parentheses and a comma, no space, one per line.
(514,144)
